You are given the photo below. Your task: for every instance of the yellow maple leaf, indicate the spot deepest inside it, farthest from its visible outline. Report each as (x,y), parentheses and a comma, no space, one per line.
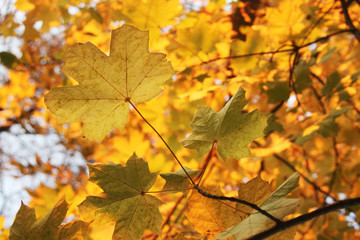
(26,226)
(209,216)
(107,84)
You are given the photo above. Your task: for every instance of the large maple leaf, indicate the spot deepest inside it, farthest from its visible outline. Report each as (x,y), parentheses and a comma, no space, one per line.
(230,129)
(210,216)
(108,83)
(26,226)
(124,198)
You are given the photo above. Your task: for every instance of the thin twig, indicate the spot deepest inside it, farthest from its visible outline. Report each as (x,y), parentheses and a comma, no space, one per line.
(317,78)
(318,97)
(278,106)
(292,49)
(306,217)
(315,186)
(205,164)
(292,70)
(289,165)
(167,219)
(162,139)
(336,167)
(319,20)
(232,199)
(173,210)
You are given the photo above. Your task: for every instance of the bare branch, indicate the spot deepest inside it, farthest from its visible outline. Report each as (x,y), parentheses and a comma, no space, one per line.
(306,217)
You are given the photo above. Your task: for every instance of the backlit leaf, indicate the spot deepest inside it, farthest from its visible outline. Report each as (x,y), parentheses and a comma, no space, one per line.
(331,83)
(124,198)
(230,129)
(277,91)
(178,179)
(75,230)
(209,216)
(26,226)
(107,83)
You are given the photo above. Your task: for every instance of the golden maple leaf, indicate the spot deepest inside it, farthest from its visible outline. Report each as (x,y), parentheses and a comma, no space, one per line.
(107,84)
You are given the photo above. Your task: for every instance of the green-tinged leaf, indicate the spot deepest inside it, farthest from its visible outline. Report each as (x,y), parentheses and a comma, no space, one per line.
(95,15)
(277,91)
(354,77)
(331,83)
(178,179)
(326,128)
(124,198)
(7,59)
(276,204)
(26,226)
(74,230)
(344,95)
(302,77)
(230,129)
(202,77)
(255,191)
(273,125)
(23,222)
(107,83)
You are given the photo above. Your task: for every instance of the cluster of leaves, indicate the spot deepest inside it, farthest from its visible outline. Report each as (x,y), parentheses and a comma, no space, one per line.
(107,85)
(296,60)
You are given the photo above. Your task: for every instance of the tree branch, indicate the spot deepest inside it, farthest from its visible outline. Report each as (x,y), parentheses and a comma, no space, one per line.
(291,50)
(306,217)
(349,23)
(232,199)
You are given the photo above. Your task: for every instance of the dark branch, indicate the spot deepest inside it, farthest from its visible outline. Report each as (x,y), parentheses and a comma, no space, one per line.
(349,23)
(306,217)
(232,199)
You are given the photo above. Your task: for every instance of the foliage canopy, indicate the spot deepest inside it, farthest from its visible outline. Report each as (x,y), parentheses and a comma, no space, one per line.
(248,111)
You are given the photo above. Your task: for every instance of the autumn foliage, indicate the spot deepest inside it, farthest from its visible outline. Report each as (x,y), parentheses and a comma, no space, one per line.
(168,119)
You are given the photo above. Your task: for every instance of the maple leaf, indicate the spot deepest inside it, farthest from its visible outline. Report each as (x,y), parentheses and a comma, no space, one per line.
(231,129)
(276,204)
(179,180)
(108,83)
(152,14)
(124,197)
(326,128)
(26,226)
(209,216)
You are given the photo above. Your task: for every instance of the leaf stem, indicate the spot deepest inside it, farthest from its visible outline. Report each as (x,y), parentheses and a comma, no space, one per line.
(170,190)
(232,199)
(162,139)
